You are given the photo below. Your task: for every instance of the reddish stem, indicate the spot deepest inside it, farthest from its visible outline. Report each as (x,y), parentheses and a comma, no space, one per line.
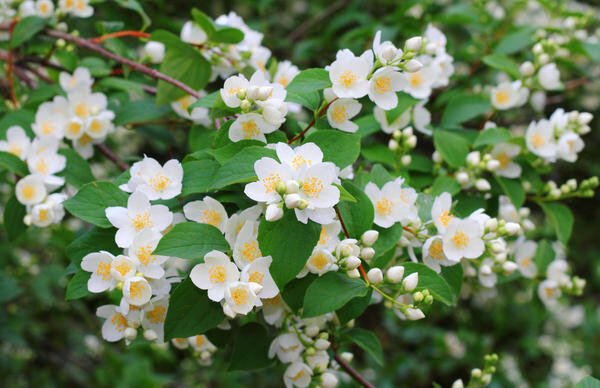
(112,156)
(314,120)
(352,372)
(9,65)
(137,34)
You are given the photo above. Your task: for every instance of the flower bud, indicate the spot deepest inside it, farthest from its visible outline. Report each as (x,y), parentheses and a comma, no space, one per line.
(241,94)
(544,58)
(491,224)
(292,201)
(458,384)
(274,113)
(375,275)
(436,157)
(291,187)
(264,92)
(322,344)
(393,145)
(130,333)
(418,297)
(274,212)
(310,351)
(411,141)
(414,314)
(245,105)
(389,53)
(405,160)
(353,274)
(312,331)
(155,51)
(492,165)
(367,253)
(537,48)
(473,158)
(512,228)
(228,311)
(411,281)
(395,273)
(414,43)
(408,131)
(303,204)
(462,178)
(328,380)
(485,270)
(482,184)
(352,262)
(347,356)
(252,93)
(431,48)
(585,118)
(369,237)
(526,69)
(150,335)
(413,66)
(509,267)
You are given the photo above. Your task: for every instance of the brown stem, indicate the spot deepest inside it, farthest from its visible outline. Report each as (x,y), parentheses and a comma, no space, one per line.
(313,121)
(352,372)
(87,44)
(137,34)
(19,72)
(342,222)
(486,119)
(112,156)
(9,65)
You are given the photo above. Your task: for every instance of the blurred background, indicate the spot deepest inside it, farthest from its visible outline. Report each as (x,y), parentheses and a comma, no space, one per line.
(46,341)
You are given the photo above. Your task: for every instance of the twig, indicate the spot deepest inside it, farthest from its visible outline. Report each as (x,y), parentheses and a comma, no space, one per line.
(352,372)
(18,71)
(313,121)
(9,65)
(112,156)
(137,34)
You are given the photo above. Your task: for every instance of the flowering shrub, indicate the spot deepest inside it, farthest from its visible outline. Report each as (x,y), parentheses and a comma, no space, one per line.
(301,196)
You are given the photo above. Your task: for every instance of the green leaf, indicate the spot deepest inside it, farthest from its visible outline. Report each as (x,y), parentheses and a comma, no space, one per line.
(429,279)
(367,341)
(513,188)
(98,67)
(22,118)
(380,176)
(78,171)
(139,111)
(379,153)
(344,194)
(367,125)
(290,243)
(191,240)
(94,240)
(503,63)
(251,339)
(91,201)
(445,183)
(588,382)
(452,147)
(9,288)
(544,255)
(331,292)
(207,101)
(592,50)
(358,217)
(122,84)
(464,108)
(561,218)
(198,176)
(294,291)
(26,29)
(240,168)
(190,312)
(135,6)
(13,163)
(310,100)
(354,308)
(227,35)
(14,212)
(204,22)
(225,153)
(405,101)
(77,286)
(309,80)
(454,277)
(388,238)
(183,63)
(515,40)
(492,136)
(338,147)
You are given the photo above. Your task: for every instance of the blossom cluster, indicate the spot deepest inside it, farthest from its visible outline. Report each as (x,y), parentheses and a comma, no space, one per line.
(47,8)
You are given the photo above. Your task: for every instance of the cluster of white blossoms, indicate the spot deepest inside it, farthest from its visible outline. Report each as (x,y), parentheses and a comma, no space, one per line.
(558,137)
(47,9)
(300,180)
(143,277)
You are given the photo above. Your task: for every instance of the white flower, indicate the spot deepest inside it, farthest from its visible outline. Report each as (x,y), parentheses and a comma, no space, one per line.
(192,33)
(392,203)
(433,254)
(230,89)
(100,265)
(31,190)
(557,271)
(463,239)
(569,145)
(287,347)
(48,122)
(348,73)
(549,77)
(384,85)
(304,156)
(137,291)
(270,173)
(122,268)
(486,276)
(198,115)
(549,292)
(341,111)
(436,37)
(241,298)
(141,251)
(246,248)
(421,117)
(257,271)
(274,111)
(509,95)
(386,52)
(405,299)
(201,343)
(250,126)
(259,58)
(80,81)
(440,211)
(504,154)
(319,360)
(85,105)
(320,262)
(329,236)
(285,73)
(444,63)
(113,328)
(398,123)
(318,192)
(419,83)
(236,222)
(155,51)
(46,164)
(74,128)
(78,8)
(44,8)
(540,139)
(208,211)
(154,181)
(215,274)
(136,217)
(51,211)
(154,316)
(17,142)
(524,253)
(26,8)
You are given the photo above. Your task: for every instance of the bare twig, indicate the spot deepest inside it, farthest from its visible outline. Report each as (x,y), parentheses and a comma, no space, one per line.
(112,156)
(137,34)
(9,65)
(352,372)
(313,121)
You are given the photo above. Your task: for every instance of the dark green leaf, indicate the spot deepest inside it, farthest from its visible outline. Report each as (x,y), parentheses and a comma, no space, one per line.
(26,29)
(358,217)
(354,308)
(405,101)
(331,292)
(198,176)
(77,286)
(492,136)
(367,341)
(309,80)
(78,171)
(544,255)
(138,111)
(191,240)
(513,188)
(464,108)
(561,218)
(240,168)
(91,201)
(503,63)
(294,291)
(452,147)
(14,212)
(251,339)
(94,240)
(13,163)
(429,279)
(444,183)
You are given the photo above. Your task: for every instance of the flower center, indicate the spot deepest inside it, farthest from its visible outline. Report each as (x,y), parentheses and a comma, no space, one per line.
(319,261)
(383,85)
(312,187)
(348,78)
(445,217)
(119,321)
(74,128)
(299,161)
(157,315)
(41,166)
(436,250)
(256,277)
(28,191)
(503,159)
(135,289)
(82,110)
(48,128)
(250,129)
(123,268)
(271,182)
(217,274)
(283,81)
(239,296)
(502,97)
(323,237)
(159,182)
(384,207)
(85,140)
(460,240)
(95,126)
(144,255)
(15,149)
(339,114)
(251,251)
(103,270)
(185,102)
(141,221)
(416,79)
(43,214)
(537,140)
(211,217)
(200,340)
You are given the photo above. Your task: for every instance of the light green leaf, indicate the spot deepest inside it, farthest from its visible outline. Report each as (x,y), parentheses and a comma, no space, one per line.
(78,171)
(13,163)
(358,217)
(405,101)
(492,136)
(515,40)
(464,108)
(198,176)
(135,6)
(204,22)
(452,147)
(338,147)
(191,240)
(561,218)
(309,80)
(444,183)
(366,340)
(388,238)
(93,240)
(240,168)
(429,279)
(26,29)
(503,63)
(513,188)
(138,111)
(310,100)
(588,382)
(227,35)
(344,194)
(77,286)
(379,153)
(331,292)
(91,201)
